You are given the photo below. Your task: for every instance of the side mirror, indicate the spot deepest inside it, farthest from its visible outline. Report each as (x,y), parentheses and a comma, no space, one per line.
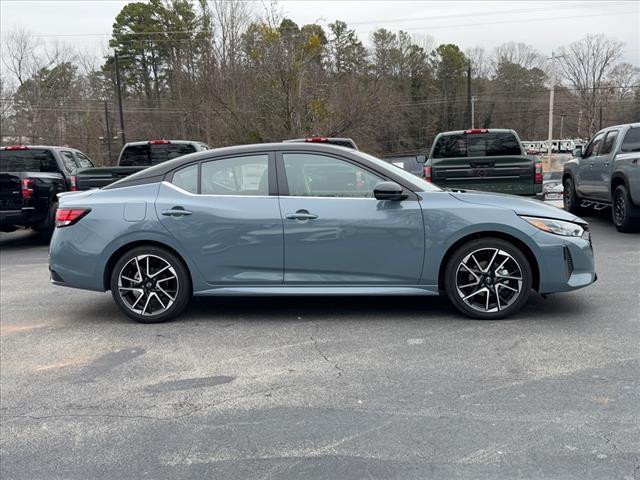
(389,191)
(421,158)
(577,152)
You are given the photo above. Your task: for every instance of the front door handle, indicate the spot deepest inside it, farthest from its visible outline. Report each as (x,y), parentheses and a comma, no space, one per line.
(175,212)
(301,215)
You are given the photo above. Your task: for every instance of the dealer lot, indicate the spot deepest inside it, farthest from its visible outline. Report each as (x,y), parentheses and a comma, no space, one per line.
(321,387)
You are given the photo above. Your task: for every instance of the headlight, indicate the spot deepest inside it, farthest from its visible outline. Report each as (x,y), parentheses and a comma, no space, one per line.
(559,227)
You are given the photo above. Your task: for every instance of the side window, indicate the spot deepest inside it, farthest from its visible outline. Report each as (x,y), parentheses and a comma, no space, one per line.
(83,160)
(236,176)
(135,155)
(312,175)
(187,178)
(609,141)
(631,142)
(594,146)
(68,161)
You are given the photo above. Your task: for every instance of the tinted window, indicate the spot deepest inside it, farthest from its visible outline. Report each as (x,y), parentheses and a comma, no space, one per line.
(594,146)
(631,141)
(236,176)
(83,160)
(135,155)
(31,160)
(607,145)
(163,152)
(310,175)
(68,161)
(187,178)
(477,145)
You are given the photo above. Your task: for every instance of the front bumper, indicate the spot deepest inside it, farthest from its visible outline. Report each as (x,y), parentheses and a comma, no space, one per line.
(566,263)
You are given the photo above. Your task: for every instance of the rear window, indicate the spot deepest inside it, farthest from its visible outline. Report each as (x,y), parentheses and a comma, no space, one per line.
(631,141)
(146,155)
(476,145)
(31,160)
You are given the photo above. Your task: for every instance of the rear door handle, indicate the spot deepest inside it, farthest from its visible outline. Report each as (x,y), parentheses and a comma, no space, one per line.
(175,212)
(301,215)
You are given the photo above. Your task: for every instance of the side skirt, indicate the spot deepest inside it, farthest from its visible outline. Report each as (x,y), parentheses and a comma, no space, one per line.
(272,290)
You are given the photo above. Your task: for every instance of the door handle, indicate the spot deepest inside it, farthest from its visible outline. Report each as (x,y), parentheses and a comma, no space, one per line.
(301,215)
(175,212)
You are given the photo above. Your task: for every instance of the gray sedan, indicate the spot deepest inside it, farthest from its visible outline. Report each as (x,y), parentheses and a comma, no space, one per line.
(310,219)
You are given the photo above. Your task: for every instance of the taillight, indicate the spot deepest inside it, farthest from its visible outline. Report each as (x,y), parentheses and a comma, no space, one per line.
(26,188)
(477,130)
(316,139)
(538,173)
(426,170)
(159,142)
(73,183)
(16,147)
(69,216)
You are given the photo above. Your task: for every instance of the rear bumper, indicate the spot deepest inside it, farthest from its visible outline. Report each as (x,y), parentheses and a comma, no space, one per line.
(22,218)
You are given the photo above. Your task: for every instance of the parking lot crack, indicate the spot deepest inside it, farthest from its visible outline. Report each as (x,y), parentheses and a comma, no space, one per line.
(316,346)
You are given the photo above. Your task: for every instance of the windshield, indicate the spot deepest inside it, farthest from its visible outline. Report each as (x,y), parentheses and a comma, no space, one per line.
(418,183)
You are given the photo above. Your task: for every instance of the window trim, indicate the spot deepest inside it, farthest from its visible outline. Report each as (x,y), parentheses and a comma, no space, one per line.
(604,134)
(283,186)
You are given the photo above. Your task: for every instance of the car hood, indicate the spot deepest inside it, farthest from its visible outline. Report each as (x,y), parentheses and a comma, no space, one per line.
(520,205)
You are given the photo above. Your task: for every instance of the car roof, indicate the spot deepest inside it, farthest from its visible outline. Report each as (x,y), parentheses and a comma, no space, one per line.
(41,147)
(488,130)
(146,142)
(158,172)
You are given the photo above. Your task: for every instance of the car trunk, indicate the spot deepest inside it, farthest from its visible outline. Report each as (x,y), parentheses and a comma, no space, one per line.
(507,174)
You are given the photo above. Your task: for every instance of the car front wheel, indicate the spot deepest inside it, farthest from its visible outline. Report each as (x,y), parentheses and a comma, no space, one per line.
(570,199)
(488,278)
(150,284)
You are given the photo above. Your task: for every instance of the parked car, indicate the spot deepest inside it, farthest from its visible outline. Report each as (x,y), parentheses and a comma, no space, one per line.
(136,156)
(341,142)
(552,185)
(607,173)
(309,219)
(481,159)
(30,178)
(411,163)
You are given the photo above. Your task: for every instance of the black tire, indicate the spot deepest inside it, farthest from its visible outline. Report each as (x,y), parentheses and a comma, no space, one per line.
(570,198)
(515,301)
(181,293)
(46,227)
(623,213)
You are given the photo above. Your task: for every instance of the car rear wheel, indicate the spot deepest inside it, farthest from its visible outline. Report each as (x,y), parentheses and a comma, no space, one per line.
(570,198)
(150,284)
(622,211)
(46,227)
(488,278)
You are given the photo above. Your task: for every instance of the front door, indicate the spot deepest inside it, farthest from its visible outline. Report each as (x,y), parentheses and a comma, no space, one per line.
(221,212)
(337,233)
(586,171)
(602,166)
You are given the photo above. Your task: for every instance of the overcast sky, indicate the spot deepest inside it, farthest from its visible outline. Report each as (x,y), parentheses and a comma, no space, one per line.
(544,24)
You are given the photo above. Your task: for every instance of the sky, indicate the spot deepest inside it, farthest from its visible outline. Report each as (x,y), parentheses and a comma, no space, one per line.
(546,25)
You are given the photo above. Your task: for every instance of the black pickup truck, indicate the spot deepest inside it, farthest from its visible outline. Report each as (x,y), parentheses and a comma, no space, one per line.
(136,156)
(30,179)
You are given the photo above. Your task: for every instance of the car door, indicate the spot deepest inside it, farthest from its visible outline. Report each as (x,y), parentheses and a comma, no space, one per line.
(602,166)
(585,174)
(222,214)
(337,233)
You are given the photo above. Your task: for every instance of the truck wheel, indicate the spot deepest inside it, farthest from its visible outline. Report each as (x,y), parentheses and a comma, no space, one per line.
(46,227)
(622,211)
(488,278)
(570,198)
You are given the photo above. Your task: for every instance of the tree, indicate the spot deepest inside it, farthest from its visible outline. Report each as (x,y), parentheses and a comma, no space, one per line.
(450,66)
(585,66)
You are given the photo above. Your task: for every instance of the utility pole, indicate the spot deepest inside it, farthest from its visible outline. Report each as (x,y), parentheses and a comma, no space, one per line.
(117,65)
(579,122)
(469,100)
(551,94)
(106,117)
(600,117)
(562,115)
(473,111)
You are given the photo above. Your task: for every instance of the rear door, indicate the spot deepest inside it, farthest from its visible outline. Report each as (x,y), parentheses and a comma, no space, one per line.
(488,161)
(337,233)
(223,215)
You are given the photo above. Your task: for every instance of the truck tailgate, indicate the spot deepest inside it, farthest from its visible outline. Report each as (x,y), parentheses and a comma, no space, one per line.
(503,174)
(88,178)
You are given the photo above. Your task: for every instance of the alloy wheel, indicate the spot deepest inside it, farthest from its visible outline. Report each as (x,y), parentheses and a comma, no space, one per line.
(148,285)
(489,280)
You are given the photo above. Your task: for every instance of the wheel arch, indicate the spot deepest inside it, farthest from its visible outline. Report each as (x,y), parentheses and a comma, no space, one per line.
(115,256)
(618,178)
(522,246)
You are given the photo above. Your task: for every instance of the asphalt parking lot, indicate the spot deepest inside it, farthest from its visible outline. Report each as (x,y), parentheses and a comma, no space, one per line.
(311,388)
